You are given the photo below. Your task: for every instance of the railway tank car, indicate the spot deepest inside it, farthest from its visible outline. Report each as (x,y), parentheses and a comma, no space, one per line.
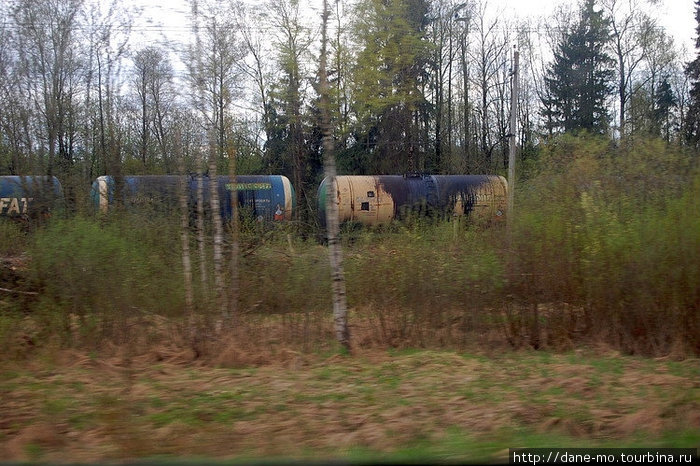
(28,195)
(379,199)
(266,197)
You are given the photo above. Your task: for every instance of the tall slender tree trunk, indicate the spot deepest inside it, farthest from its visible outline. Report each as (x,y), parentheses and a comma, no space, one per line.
(449,98)
(221,129)
(100,108)
(201,241)
(465,78)
(185,231)
(622,90)
(485,152)
(235,245)
(438,115)
(144,119)
(335,251)
(214,203)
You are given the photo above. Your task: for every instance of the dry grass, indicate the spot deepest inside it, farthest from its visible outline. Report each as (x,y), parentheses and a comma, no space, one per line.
(244,397)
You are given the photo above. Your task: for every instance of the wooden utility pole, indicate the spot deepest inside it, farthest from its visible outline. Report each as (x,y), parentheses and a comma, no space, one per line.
(335,252)
(513,142)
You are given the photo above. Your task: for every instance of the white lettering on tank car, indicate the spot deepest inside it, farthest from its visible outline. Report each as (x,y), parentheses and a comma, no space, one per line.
(14,205)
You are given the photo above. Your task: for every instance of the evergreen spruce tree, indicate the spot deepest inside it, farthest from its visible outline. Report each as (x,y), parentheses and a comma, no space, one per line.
(665,102)
(692,116)
(578,82)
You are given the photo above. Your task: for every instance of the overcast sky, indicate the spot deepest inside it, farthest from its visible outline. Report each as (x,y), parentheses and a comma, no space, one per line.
(169,18)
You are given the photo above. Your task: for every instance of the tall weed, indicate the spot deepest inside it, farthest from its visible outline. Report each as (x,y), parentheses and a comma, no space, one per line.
(608,242)
(13,240)
(101,273)
(425,284)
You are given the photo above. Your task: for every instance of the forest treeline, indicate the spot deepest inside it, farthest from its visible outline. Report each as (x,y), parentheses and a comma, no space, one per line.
(416,86)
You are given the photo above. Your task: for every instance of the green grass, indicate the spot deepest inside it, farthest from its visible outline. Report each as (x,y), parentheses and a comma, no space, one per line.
(34,452)
(12,239)
(459,445)
(57,406)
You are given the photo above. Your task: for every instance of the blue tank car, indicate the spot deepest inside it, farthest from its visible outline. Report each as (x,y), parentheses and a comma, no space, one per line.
(26,196)
(266,197)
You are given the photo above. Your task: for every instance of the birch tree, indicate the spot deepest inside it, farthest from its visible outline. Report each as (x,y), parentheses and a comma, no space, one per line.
(489,53)
(629,26)
(14,113)
(152,81)
(335,252)
(185,230)
(213,73)
(255,67)
(107,36)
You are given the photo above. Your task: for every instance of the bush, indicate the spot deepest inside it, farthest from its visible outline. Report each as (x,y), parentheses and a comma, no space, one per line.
(13,240)
(605,239)
(429,283)
(105,272)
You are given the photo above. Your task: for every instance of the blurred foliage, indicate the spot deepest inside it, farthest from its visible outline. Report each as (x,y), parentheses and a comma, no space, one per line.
(422,278)
(13,240)
(605,248)
(102,271)
(614,233)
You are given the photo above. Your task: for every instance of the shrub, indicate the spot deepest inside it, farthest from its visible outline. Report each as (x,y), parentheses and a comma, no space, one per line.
(13,240)
(102,272)
(608,237)
(427,283)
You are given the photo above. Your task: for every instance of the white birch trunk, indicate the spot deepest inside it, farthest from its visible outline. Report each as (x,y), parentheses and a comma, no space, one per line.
(185,237)
(218,234)
(335,251)
(201,242)
(200,103)
(185,234)
(235,227)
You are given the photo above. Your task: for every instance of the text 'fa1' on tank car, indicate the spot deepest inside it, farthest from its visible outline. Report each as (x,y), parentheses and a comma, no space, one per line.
(266,197)
(26,196)
(379,199)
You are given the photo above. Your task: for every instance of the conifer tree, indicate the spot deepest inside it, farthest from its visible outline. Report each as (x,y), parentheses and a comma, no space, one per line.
(692,116)
(665,102)
(578,82)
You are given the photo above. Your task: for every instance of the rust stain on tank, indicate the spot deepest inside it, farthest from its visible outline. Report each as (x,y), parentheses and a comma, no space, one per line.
(379,199)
